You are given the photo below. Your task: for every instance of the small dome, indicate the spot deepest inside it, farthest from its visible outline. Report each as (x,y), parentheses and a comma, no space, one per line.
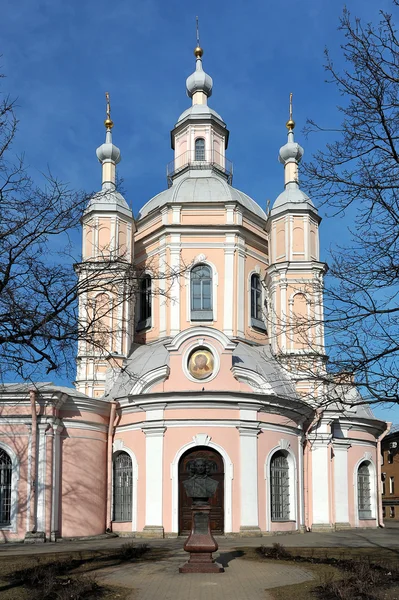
(108,151)
(201,190)
(291,150)
(199,81)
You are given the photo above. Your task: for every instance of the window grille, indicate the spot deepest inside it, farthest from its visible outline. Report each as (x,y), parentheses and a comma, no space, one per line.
(5,488)
(364,491)
(145,303)
(200,149)
(280,487)
(201,293)
(123,487)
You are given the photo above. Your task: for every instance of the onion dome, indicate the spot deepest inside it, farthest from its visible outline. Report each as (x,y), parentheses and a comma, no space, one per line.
(199,81)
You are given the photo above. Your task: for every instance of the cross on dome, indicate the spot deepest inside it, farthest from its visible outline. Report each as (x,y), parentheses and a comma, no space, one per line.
(199,81)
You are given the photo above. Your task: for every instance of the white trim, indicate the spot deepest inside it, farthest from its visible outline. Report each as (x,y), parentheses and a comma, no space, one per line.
(154,444)
(12,528)
(145,382)
(229,273)
(367,457)
(201,331)
(228,482)
(241,258)
(119,446)
(200,343)
(283,445)
(174,253)
(41,476)
(258,383)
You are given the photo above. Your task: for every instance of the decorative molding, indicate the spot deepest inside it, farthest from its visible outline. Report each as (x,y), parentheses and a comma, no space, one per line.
(255,380)
(146,381)
(284,444)
(202,439)
(199,258)
(201,331)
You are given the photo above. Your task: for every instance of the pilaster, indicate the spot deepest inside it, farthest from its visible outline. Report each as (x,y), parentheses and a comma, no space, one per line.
(154,480)
(249,480)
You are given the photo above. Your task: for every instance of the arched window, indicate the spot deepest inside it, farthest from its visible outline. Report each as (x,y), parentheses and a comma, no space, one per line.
(200,149)
(123,487)
(256,303)
(145,302)
(364,491)
(201,293)
(279,487)
(5,488)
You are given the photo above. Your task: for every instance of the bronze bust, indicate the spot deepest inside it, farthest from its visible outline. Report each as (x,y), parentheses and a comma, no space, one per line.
(200,487)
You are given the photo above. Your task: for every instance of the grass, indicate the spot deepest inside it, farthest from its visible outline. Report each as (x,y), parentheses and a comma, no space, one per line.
(339,573)
(67,576)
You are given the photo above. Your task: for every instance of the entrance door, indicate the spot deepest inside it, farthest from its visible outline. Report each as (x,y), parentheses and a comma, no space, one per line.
(217,502)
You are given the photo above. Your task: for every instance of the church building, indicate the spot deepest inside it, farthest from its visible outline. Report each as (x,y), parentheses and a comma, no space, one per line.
(219,354)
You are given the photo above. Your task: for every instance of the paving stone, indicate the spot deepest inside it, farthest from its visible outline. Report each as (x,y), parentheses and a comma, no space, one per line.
(242,579)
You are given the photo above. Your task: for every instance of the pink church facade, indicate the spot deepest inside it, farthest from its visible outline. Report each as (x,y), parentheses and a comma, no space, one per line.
(218,356)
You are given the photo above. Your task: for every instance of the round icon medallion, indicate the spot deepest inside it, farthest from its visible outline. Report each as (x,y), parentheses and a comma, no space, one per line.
(201,363)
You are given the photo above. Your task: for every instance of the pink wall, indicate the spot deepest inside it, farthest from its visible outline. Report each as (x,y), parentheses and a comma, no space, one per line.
(83,495)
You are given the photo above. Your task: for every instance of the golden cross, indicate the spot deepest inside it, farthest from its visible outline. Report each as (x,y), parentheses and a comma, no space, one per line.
(108,105)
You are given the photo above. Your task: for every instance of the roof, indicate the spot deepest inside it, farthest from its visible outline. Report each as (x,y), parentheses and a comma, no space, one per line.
(109,199)
(200,189)
(200,111)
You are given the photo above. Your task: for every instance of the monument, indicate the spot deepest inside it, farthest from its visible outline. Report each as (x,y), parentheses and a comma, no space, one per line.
(200,543)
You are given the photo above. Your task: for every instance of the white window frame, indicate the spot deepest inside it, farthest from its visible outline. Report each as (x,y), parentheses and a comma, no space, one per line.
(201,259)
(15,468)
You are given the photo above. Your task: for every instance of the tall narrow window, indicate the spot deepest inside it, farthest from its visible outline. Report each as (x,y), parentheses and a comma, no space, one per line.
(145,303)
(392,512)
(364,491)
(390,457)
(391,485)
(123,487)
(201,293)
(5,488)
(200,149)
(279,487)
(256,303)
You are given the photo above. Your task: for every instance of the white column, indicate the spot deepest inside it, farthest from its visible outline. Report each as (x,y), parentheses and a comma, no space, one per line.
(249,479)
(41,477)
(320,483)
(241,287)
(154,480)
(55,495)
(162,268)
(175,287)
(228,284)
(341,499)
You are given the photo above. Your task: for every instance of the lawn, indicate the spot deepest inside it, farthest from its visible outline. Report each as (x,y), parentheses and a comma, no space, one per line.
(68,575)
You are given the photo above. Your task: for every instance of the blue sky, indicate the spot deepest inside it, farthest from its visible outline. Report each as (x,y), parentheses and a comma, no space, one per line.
(60,58)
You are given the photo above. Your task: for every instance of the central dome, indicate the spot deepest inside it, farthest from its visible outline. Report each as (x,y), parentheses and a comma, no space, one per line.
(201,190)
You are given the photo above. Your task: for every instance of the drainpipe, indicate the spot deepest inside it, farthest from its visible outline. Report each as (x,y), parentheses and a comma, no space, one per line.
(108,523)
(306,467)
(379,495)
(33,481)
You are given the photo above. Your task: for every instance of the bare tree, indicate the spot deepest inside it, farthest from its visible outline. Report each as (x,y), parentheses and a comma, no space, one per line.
(40,229)
(358,174)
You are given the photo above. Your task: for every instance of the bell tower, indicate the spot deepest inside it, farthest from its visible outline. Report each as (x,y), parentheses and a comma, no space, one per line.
(106,300)
(295,274)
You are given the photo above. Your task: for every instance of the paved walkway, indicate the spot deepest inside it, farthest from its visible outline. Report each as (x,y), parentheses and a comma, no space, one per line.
(361,538)
(242,579)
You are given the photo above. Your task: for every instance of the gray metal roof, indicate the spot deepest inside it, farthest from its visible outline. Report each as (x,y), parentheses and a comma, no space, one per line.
(200,190)
(259,359)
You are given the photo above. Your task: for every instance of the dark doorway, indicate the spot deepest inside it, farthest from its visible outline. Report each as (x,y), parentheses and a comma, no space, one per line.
(217,502)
